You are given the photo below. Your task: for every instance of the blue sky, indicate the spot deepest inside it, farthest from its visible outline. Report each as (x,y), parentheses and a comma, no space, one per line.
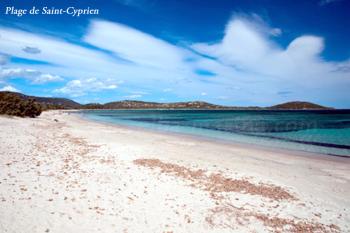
(237,52)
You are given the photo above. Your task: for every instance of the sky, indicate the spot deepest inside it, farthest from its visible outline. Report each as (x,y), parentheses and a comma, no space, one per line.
(229,52)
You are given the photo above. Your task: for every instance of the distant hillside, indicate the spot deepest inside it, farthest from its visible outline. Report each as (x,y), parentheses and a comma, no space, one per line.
(63,103)
(297,105)
(129,104)
(93,106)
(48,102)
(57,102)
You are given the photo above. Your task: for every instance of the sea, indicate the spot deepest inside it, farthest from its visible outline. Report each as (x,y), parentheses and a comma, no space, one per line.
(317,131)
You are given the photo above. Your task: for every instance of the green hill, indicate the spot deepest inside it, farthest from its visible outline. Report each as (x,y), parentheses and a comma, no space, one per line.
(298,105)
(12,100)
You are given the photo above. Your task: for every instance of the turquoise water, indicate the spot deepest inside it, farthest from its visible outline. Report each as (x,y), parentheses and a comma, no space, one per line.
(326,132)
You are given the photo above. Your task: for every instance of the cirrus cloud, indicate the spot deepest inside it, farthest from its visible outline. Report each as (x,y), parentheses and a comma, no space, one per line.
(246,67)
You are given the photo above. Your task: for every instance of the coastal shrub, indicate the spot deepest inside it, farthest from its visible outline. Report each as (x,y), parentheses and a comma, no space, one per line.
(13,105)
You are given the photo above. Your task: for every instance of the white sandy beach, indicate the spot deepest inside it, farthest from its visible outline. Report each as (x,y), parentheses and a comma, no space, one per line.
(79,176)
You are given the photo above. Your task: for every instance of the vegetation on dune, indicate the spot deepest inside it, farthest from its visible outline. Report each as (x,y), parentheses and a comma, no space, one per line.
(11,104)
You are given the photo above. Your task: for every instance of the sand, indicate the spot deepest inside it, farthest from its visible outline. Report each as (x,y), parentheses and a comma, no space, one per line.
(74,175)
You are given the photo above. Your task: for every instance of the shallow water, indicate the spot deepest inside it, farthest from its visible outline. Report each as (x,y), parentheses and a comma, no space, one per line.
(325,131)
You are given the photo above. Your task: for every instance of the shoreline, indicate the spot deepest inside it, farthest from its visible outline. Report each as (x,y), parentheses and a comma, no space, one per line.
(242,145)
(60,173)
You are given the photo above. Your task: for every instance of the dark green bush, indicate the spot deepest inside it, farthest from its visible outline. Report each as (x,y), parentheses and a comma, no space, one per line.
(13,105)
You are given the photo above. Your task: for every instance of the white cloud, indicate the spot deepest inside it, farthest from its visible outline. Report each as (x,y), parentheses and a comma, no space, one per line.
(76,88)
(260,66)
(132,96)
(247,57)
(203,94)
(246,47)
(64,55)
(9,88)
(44,78)
(136,46)
(35,76)
(153,63)
(16,72)
(242,45)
